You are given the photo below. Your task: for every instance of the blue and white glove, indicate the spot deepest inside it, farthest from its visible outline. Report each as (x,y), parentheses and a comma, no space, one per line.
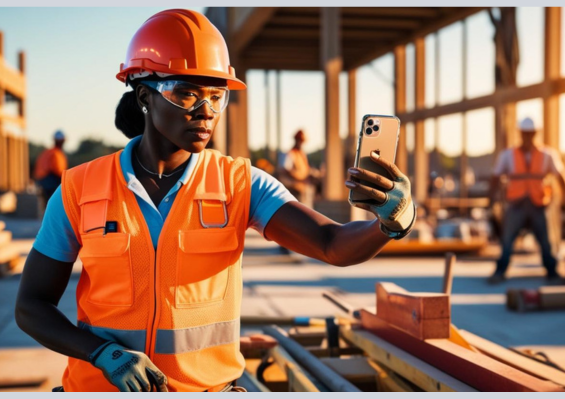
(393,204)
(128,370)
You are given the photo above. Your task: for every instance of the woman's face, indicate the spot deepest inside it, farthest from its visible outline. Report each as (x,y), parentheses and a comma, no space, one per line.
(190,131)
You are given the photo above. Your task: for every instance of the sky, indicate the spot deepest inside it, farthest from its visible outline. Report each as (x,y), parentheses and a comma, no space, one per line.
(73,55)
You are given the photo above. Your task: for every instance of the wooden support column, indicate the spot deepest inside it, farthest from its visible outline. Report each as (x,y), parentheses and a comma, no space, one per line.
(279,119)
(237,135)
(551,119)
(400,104)
(332,63)
(421,159)
(552,71)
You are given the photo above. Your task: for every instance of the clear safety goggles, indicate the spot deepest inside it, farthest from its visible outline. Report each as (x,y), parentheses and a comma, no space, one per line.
(190,96)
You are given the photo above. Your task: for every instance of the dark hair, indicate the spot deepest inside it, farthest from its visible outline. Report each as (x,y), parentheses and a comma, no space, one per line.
(129,118)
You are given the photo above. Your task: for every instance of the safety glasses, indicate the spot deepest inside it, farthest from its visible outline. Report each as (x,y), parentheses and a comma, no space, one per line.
(189,96)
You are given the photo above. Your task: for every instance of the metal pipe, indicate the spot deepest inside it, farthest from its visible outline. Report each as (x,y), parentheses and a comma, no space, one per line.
(328,377)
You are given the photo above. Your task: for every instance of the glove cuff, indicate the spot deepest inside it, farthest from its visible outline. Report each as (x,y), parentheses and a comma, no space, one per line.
(397,235)
(98,351)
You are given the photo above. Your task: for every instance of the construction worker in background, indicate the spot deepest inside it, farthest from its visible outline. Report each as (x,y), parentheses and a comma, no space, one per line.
(160,229)
(295,172)
(527,195)
(49,167)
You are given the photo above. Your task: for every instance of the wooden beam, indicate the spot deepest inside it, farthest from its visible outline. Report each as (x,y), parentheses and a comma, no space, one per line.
(421,157)
(552,70)
(460,14)
(423,375)
(412,12)
(422,315)
(513,359)
(357,21)
(252,26)
(331,61)
(475,369)
(313,32)
(297,378)
(500,96)
(400,104)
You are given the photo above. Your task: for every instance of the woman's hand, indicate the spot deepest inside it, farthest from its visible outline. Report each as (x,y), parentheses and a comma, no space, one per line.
(393,204)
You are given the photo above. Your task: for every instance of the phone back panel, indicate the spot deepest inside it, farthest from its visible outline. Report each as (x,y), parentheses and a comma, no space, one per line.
(383,141)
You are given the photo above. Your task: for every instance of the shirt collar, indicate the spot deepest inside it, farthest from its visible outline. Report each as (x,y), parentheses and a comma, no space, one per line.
(127,166)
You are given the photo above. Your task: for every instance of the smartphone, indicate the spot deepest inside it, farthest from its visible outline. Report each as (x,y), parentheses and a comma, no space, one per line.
(378,133)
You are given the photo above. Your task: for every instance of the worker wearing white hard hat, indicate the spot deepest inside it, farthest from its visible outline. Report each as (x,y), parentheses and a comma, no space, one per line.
(527,194)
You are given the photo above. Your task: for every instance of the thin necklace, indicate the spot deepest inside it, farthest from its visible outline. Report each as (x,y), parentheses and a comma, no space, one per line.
(153,173)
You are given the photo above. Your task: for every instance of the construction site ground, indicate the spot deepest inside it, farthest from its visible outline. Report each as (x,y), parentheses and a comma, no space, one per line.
(279,283)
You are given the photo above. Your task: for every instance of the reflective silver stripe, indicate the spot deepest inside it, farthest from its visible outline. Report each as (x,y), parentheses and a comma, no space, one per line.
(132,339)
(170,342)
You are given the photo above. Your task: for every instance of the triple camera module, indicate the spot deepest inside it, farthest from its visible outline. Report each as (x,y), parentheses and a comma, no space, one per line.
(373,126)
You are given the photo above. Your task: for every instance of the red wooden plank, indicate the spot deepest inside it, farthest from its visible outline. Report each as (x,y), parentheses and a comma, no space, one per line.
(474,369)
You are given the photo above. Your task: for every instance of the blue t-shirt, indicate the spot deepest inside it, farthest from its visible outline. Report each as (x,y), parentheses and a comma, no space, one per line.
(56,238)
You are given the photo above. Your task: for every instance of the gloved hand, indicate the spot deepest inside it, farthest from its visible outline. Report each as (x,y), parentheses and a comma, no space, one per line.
(393,205)
(128,370)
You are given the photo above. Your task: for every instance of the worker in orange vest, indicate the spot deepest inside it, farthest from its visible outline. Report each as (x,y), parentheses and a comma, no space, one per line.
(49,167)
(160,228)
(295,171)
(527,194)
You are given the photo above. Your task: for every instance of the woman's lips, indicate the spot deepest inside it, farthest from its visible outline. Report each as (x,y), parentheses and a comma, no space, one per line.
(202,132)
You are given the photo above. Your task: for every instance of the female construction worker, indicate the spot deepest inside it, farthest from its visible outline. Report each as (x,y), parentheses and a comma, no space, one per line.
(160,226)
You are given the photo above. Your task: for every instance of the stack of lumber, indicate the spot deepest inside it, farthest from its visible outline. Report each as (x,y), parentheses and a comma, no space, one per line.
(9,253)
(417,324)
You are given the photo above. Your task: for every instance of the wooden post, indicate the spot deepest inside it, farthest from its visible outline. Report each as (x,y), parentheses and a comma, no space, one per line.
(279,120)
(551,119)
(237,137)
(22,68)
(552,71)
(421,158)
(400,104)
(268,146)
(334,188)
(464,161)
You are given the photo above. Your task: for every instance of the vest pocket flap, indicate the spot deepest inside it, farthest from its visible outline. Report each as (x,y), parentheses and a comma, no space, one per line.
(112,244)
(208,240)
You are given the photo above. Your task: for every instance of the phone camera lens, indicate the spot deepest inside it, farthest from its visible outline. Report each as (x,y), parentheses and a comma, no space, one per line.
(376,128)
(370,122)
(368,130)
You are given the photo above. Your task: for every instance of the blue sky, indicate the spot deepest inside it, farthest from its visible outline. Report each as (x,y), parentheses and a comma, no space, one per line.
(73,55)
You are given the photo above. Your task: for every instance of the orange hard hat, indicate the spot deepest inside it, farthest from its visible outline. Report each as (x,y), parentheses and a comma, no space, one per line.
(179,42)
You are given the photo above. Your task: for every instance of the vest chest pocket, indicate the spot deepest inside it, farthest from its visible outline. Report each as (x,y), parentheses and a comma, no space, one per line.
(106,260)
(204,260)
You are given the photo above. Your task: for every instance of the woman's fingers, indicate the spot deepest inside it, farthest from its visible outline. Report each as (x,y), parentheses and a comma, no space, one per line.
(388,165)
(377,195)
(371,177)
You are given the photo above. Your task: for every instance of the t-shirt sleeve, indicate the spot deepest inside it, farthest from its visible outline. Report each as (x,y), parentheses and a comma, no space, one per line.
(56,238)
(267,196)
(502,163)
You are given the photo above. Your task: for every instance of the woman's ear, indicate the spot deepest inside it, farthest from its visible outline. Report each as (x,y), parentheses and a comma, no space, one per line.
(142,94)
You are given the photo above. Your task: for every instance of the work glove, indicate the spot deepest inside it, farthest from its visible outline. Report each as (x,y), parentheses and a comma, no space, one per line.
(128,370)
(393,204)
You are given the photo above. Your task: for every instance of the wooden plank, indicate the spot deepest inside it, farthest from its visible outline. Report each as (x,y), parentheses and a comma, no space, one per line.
(448,273)
(422,315)
(513,359)
(423,375)
(475,369)
(388,380)
(297,379)
(354,369)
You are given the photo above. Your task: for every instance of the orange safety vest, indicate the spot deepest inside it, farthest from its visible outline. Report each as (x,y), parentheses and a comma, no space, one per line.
(180,304)
(50,161)
(529,182)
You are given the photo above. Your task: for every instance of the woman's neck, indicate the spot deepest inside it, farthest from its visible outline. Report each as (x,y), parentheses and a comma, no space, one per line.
(160,156)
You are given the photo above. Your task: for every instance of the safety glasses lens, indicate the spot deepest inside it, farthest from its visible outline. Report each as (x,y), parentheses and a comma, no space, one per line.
(190,97)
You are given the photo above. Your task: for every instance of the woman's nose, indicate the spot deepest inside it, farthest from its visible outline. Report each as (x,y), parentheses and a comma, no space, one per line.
(204,111)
